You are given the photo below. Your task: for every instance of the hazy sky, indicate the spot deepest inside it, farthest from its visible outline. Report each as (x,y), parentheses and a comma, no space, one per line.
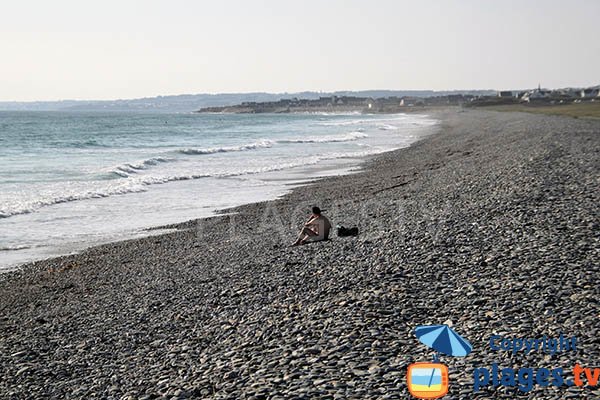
(75,49)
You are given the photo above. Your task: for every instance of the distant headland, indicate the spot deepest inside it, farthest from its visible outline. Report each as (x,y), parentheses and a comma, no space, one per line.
(393,104)
(334,103)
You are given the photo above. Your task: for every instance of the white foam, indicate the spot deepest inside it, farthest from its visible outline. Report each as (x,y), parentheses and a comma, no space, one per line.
(137,176)
(14,248)
(349,137)
(74,191)
(344,123)
(369,121)
(387,127)
(212,150)
(69,192)
(126,169)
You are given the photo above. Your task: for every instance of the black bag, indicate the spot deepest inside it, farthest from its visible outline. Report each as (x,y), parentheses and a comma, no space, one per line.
(343,231)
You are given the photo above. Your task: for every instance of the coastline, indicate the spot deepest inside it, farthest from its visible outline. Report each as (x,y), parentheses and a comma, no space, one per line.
(452,228)
(270,184)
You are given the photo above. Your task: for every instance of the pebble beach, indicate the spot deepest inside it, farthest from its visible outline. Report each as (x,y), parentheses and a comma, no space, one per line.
(490,225)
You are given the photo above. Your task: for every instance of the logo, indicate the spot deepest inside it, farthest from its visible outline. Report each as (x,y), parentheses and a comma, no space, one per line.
(427,380)
(525,378)
(430,380)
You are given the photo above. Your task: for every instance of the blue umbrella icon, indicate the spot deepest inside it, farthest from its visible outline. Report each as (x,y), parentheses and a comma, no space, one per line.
(442,339)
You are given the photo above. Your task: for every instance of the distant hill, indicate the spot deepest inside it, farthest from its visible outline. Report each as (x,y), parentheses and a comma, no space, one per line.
(191,102)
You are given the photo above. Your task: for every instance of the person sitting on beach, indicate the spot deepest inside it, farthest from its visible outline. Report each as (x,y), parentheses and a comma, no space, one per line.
(315,229)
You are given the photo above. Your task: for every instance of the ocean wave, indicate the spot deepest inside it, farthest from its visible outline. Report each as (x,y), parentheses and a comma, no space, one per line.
(386,127)
(85,193)
(212,150)
(140,175)
(399,117)
(425,122)
(14,248)
(327,139)
(326,113)
(344,123)
(141,183)
(88,143)
(127,169)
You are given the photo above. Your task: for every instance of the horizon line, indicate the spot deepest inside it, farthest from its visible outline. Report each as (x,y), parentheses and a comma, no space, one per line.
(278,93)
(243,93)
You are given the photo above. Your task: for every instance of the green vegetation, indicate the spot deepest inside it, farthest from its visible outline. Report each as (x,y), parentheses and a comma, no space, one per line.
(576,110)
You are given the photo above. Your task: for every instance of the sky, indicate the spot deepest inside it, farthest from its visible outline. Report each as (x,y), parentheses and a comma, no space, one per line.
(110,49)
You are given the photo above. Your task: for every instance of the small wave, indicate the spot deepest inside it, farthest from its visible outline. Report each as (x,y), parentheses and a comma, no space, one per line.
(328,139)
(369,121)
(80,144)
(326,113)
(14,248)
(127,169)
(157,180)
(31,206)
(90,143)
(344,123)
(425,122)
(387,127)
(213,150)
(141,183)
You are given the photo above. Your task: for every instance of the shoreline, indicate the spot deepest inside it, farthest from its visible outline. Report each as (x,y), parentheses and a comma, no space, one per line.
(452,228)
(283,180)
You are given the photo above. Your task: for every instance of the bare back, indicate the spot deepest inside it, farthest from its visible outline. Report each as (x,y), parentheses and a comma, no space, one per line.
(324,226)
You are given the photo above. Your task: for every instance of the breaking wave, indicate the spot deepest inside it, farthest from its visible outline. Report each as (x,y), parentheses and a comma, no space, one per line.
(141,183)
(14,248)
(74,195)
(387,127)
(327,139)
(127,169)
(187,163)
(213,150)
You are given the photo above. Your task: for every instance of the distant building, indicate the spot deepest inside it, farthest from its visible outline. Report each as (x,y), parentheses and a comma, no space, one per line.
(505,93)
(590,93)
(408,101)
(537,94)
(568,93)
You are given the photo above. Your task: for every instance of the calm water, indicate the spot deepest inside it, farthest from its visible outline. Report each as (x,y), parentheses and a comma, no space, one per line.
(68,180)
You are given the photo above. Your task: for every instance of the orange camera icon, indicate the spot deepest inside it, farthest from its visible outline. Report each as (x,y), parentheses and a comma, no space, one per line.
(427,380)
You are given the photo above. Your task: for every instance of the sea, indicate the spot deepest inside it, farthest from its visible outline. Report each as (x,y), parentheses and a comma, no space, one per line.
(69,180)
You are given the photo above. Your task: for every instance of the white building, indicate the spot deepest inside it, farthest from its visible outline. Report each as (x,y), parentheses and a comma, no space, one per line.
(590,93)
(536,94)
